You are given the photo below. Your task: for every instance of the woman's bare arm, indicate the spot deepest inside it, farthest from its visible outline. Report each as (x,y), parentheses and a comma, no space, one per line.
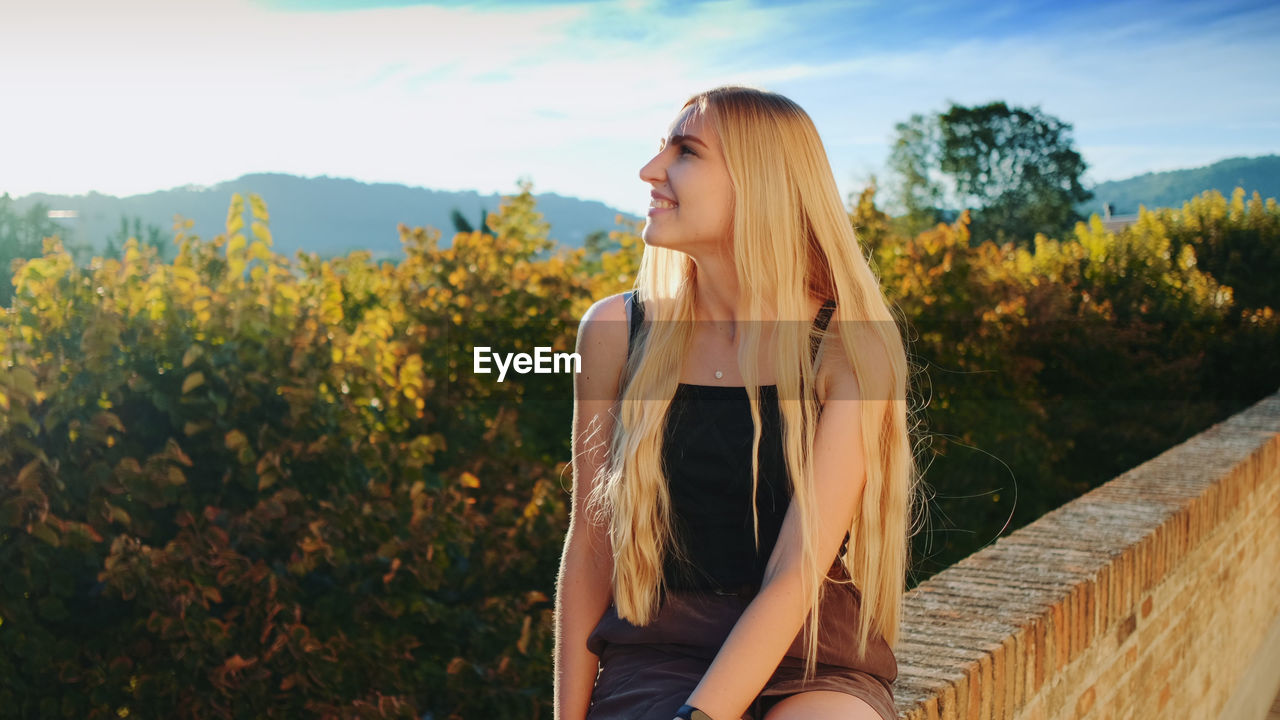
(771,621)
(584,589)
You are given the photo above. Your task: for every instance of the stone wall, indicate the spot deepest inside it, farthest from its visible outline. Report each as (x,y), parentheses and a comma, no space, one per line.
(1154,595)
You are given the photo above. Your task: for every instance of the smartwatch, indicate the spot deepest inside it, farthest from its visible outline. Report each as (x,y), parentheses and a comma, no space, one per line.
(689,712)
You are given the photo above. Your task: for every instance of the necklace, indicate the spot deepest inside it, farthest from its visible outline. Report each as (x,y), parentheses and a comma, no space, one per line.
(720,374)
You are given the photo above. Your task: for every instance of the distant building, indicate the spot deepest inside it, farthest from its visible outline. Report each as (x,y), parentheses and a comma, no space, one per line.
(72,227)
(1116,223)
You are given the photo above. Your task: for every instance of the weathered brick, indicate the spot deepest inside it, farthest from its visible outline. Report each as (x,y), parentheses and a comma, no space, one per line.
(1085,702)
(1149,591)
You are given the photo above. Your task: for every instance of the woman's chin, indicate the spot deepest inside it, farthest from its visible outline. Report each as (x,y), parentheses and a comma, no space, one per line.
(655,239)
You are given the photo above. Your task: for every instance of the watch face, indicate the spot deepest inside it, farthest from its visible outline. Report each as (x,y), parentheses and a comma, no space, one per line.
(699,715)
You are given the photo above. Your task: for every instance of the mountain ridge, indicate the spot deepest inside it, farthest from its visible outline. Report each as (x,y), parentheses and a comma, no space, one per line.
(1172,188)
(334,215)
(325,215)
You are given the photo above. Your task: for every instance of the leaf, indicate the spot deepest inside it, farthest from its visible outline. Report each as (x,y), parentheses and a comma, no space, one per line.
(108,420)
(128,467)
(192,354)
(235,663)
(118,514)
(395,565)
(523,643)
(174,452)
(259,250)
(46,533)
(22,380)
(236,245)
(235,440)
(194,380)
(27,471)
(470,481)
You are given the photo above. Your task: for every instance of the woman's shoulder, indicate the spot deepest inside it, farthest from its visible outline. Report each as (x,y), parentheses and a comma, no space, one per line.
(837,376)
(607,310)
(602,340)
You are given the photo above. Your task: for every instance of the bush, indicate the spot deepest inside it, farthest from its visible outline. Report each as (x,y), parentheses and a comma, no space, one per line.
(233,486)
(243,489)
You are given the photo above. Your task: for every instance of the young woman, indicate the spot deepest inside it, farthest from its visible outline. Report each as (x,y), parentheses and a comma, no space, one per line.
(743,484)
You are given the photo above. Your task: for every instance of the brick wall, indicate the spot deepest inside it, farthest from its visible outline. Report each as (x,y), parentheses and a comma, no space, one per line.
(1151,596)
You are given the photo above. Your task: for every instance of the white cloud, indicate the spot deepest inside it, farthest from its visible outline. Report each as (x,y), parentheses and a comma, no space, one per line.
(138,95)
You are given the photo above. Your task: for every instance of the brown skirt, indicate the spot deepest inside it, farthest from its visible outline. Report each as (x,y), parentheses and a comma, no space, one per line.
(648,672)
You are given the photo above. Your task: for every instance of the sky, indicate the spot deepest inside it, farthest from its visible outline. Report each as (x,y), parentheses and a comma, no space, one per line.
(134,96)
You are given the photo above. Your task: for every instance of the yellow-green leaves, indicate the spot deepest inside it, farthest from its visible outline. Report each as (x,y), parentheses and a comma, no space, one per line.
(237,443)
(193,381)
(192,354)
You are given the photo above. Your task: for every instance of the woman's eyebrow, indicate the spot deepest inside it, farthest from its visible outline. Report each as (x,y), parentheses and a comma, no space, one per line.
(677,138)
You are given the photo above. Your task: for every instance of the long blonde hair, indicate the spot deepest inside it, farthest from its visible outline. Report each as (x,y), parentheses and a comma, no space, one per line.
(792,239)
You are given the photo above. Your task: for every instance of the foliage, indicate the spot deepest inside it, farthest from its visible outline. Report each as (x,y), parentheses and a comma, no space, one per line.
(21,237)
(1015,169)
(240,486)
(150,238)
(243,488)
(1237,242)
(1048,371)
(460,223)
(918,194)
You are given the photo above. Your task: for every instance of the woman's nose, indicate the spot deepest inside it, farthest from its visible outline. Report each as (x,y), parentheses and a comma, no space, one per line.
(654,170)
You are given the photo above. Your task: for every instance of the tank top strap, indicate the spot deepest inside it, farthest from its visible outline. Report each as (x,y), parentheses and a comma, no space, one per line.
(824,317)
(635,316)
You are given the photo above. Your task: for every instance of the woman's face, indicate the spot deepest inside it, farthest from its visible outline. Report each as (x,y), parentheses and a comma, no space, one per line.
(690,171)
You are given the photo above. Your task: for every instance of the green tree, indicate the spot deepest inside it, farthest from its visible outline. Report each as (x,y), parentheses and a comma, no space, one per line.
(1019,166)
(595,246)
(153,237)
(21,236)
(461,225)
(917,194)
(1017,170)
(873,227)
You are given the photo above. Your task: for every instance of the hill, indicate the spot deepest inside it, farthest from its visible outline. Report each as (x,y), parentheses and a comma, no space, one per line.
(332,216)
(1174,187)
(324,215)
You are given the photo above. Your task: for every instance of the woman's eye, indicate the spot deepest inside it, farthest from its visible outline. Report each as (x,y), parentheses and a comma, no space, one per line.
(684,148)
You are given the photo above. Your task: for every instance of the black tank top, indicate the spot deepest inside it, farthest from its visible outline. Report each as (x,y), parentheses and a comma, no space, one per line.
(707,460)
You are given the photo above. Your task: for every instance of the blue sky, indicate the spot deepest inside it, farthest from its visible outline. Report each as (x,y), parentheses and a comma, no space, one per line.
(140,95)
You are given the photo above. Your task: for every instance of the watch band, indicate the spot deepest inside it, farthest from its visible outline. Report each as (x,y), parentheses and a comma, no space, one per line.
(689,712)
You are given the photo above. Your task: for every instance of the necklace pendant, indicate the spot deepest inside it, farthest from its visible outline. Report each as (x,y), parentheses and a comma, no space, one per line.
(719,374)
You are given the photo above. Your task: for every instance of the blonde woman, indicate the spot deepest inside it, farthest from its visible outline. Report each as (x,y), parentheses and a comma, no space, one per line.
(743,482)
